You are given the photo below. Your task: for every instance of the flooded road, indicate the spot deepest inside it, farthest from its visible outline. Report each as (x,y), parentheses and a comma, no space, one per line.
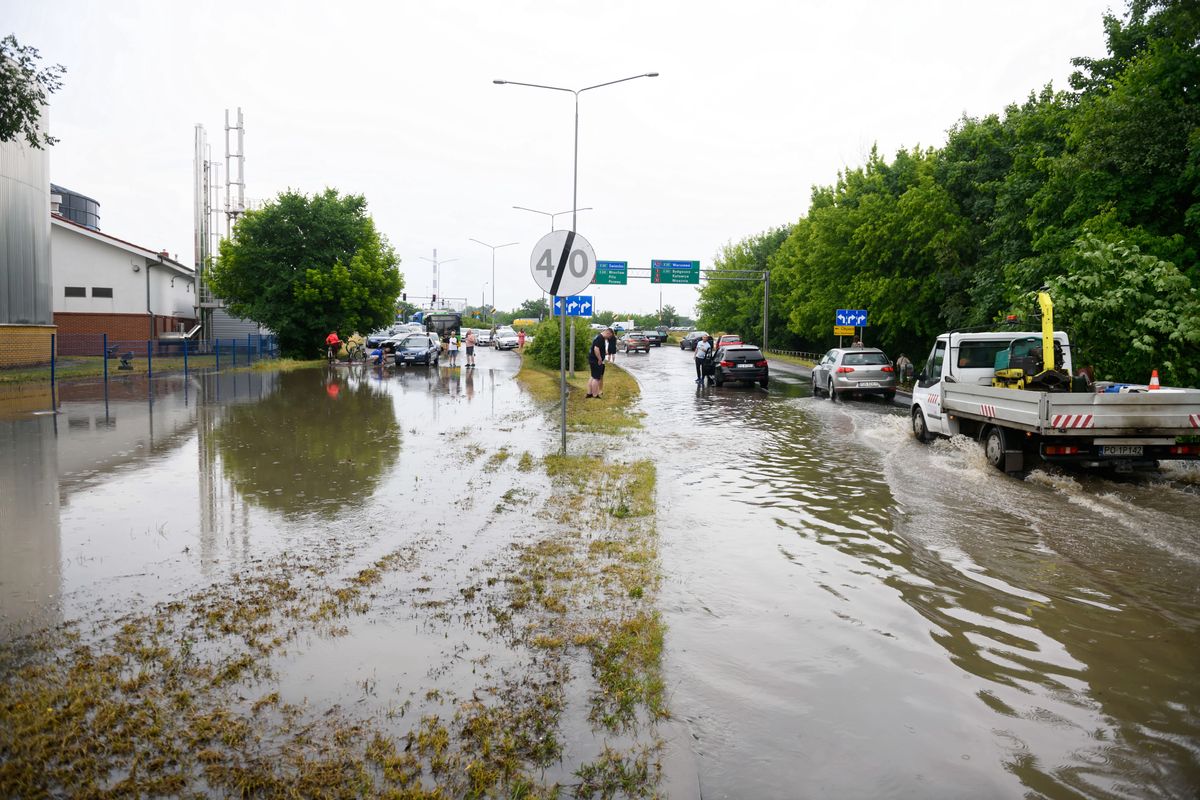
(849,613)
(852,614)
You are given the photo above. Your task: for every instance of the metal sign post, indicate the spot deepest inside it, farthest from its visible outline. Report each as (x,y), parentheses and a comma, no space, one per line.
(562,264)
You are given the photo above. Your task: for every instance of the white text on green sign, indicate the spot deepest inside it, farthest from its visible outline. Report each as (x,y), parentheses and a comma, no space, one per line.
(666,271)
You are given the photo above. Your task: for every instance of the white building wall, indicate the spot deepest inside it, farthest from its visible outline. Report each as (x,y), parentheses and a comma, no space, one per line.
(80,260)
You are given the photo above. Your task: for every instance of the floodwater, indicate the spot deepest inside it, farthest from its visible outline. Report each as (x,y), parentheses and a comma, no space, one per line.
(850,613)
(853,614)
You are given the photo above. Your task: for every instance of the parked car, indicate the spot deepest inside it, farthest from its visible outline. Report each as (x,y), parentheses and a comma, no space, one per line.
(688,342)
(845,371)
(378,337)
(728,340)
(656,337)
(741,362)
(634,342)
(505,339)
(419,348)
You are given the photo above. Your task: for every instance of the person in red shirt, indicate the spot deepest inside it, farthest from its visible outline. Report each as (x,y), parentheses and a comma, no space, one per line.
(332,345)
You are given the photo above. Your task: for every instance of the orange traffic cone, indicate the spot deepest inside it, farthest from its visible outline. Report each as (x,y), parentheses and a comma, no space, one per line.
(1154,384)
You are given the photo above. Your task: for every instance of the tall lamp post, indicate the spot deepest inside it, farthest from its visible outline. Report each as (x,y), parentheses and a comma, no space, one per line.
(554,214)
(494,248)
(562,327)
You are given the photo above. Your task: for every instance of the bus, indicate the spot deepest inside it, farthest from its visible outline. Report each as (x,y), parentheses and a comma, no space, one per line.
(443,323)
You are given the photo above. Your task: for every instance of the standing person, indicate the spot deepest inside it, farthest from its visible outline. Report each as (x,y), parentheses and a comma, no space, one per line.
(452,348)
(904,367)
(703,348)
(596,355)
(521,339)
(469,341)
(332,345)
(612,348)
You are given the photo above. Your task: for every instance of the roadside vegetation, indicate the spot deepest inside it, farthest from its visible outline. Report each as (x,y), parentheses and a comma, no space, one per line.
(1092,191)
(615,412)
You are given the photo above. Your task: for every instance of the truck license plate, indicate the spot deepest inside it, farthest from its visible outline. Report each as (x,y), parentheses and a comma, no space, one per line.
(1121,450)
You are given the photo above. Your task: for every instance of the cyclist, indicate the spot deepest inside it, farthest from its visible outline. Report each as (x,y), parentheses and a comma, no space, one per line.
(332,345)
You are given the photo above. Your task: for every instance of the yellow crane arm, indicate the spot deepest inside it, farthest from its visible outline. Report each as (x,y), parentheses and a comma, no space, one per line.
(1047,330)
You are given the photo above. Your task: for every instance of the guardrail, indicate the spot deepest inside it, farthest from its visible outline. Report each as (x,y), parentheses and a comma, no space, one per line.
(796,354)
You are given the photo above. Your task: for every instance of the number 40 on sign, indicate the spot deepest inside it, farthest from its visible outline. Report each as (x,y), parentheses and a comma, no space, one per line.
(563,263)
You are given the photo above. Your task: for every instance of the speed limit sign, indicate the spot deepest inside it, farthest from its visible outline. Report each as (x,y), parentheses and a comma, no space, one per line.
(563,263)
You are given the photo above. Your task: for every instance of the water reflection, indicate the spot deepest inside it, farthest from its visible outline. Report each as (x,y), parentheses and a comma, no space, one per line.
(318,441)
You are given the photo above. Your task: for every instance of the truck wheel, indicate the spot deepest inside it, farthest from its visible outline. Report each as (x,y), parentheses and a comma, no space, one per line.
(994,446)
(920,429)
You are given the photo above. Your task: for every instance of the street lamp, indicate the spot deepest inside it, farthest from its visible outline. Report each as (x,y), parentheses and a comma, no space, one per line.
(562,327)
(494,248)
(553,215)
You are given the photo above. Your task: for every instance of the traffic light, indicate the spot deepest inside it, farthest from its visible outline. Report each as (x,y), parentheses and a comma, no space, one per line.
(404,297)
(435,299)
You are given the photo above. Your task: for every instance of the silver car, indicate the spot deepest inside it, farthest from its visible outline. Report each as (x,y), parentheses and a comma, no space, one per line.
(845,371)
(505,339)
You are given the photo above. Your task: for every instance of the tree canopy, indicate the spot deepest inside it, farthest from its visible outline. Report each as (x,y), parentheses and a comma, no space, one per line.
(1094,192)
(304,266)
(24,89)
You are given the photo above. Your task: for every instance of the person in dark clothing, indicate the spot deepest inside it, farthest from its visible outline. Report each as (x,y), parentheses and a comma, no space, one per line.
(612,348)
(596,355)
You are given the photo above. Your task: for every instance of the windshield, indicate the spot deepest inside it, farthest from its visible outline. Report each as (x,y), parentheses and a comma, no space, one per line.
(415,341)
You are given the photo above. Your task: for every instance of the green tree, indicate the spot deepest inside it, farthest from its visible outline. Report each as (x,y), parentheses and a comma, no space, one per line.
(544,349)
(669,316)
(1129,312)
(303,266)
(537,308)
(24,90)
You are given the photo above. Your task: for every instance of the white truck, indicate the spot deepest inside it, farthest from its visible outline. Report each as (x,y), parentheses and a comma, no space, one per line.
(1096,425)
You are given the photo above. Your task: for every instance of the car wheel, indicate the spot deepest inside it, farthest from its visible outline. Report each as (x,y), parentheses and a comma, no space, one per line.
(888,397)
(831,391)
(718,378)
(920,429)
(762,382)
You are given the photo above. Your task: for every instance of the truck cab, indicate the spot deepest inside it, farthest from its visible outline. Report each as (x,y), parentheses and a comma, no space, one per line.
(965,358)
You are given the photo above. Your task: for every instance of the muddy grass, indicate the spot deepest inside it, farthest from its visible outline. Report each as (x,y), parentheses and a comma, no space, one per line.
(183,698)
(613,413)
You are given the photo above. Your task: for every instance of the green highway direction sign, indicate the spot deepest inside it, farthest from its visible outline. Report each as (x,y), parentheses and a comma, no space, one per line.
(662,271)
(612,273)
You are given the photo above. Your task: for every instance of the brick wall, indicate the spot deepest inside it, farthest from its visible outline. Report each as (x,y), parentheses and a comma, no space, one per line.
(22,345)
(117,326)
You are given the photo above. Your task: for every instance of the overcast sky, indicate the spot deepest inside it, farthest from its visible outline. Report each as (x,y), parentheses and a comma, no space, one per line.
(756,102)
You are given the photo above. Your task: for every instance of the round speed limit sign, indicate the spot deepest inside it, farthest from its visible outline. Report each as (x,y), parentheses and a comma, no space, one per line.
(563,263)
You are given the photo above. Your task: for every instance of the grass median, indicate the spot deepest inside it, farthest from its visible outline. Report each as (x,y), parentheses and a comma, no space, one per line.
(612,413)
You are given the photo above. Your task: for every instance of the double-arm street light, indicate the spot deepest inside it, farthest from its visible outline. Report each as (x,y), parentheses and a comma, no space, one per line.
(494,248)
(562,328)
(576,92)
(553,215)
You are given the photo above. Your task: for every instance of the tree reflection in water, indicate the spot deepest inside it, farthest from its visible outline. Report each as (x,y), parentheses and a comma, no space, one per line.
(320,440)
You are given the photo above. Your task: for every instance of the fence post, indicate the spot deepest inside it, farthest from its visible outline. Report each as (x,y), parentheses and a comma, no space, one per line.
(104,355)
(185,359)
(149,358)
(234,348)
(249,347)
(53,357)
(217,345)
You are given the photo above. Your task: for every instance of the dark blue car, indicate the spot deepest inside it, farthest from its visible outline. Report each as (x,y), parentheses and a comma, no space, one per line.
(419,348)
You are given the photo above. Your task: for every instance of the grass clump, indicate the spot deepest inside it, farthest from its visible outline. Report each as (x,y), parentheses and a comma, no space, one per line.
(613,413)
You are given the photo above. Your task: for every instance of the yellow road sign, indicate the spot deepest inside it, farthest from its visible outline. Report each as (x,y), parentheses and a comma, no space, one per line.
(843,330)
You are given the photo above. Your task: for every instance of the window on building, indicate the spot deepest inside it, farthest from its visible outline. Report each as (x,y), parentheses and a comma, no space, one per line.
(75,291)
(102,291)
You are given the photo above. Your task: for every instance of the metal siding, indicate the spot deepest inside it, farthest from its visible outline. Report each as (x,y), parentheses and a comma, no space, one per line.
(227,327)
(25,289)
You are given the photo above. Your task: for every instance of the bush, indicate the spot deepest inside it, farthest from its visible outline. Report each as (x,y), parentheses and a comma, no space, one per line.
(544,347)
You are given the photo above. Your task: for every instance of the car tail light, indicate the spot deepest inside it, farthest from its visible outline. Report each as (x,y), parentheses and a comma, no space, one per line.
(886,369)
(726,363)
(762,363)
(1185,450)
(843,370)
(1061,450)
